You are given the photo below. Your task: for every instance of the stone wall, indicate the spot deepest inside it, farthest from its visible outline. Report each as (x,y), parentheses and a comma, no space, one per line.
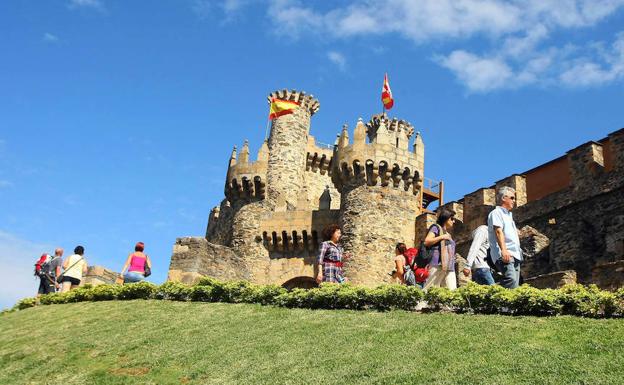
(576,227)
(98,275)
(194,257)
(552,280)
(609,276)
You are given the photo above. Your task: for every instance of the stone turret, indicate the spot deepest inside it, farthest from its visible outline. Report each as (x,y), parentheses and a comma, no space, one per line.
(246,180)
(287,147)
(379,184)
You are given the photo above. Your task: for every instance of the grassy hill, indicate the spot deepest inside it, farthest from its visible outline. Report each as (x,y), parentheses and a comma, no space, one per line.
(165,342)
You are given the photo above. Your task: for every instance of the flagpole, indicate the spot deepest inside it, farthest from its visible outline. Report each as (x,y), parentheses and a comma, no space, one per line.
(266,131)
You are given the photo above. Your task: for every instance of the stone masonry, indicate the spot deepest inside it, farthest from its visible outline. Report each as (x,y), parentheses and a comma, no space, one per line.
(268,228)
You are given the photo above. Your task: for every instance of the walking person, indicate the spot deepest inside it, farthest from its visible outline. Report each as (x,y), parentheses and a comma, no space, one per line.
(49,271)
(137,263)
(330,258)
(442,264)
(504,239)
(75,266)
(476,260)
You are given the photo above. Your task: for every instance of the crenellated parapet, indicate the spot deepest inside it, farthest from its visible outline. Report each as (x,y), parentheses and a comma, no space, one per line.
(382,162)
(307,102)
(396,128)
(318,157)
(291,241)
(247,180)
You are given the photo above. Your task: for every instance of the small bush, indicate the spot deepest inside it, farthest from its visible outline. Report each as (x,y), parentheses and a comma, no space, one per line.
(441,297)
(53,298)
(388,297)
(175,291)
(528,300)
(266,294)
(201,293)
(105,292)
(139,290)
(25,303)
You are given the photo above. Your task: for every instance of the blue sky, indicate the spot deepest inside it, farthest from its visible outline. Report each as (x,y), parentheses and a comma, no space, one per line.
(117,118)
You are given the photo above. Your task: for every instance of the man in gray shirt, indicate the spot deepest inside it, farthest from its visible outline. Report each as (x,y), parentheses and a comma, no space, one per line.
(504,239)
(476,260)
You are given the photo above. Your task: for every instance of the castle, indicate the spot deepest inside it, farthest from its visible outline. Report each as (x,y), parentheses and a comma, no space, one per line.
(267,229)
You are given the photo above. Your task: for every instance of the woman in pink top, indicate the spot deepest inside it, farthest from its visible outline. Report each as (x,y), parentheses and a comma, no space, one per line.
(135,264)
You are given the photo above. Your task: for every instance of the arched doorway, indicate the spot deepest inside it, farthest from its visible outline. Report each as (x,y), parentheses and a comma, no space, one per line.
(300,282)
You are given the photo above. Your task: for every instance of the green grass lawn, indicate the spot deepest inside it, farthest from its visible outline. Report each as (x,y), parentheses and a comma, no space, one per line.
(164,342)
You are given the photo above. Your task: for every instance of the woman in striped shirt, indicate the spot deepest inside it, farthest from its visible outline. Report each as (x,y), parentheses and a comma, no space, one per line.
(330,257)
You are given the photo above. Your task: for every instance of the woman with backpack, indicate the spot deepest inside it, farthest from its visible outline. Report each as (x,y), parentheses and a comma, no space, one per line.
(330,257)
(74,267)
(137,264)
(441,247)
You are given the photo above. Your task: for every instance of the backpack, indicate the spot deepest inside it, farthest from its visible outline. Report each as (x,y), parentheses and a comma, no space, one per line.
(42,266)
(425,253)
(410,258)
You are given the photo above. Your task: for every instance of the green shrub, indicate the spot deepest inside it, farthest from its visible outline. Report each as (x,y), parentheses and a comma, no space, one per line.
(200,293)
(139,290)
(266,294)
(80,294)
(105,292)
(441,297)
(208,281)
(478,298)
(53,298)
(388,297)
(25,303)
(528,300)
(175,291)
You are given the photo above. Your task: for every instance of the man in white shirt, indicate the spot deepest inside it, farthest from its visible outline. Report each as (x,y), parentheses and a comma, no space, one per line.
(504,239)
(476,261)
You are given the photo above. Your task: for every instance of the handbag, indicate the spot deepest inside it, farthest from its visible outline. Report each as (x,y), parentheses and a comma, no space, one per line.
(59,279)
(147,269)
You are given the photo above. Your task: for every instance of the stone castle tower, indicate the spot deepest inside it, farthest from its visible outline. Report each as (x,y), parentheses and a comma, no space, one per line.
(268,227)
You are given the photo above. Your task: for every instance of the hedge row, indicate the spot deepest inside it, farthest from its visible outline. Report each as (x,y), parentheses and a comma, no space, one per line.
(571,300)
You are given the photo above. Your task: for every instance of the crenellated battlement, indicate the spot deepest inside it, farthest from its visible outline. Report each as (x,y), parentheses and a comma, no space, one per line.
(399,127)
(318,158)
(379,163)
(293,241)
(245,179)
(308,102)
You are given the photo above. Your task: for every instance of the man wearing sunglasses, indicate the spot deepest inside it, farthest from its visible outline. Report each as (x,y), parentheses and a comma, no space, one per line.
(504,239)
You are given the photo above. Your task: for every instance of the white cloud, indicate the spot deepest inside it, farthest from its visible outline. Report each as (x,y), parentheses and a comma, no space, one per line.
(478,73)
(5,184)
(86,4)
(17,258)
(516,35)
(338,59)
(50,38)
(201,8)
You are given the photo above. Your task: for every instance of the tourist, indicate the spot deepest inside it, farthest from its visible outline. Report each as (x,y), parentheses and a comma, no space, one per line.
(136,264)
(330,258)
(504,239)
(476,260)
(400,262)
(50,270)
(442,246)
(74,267)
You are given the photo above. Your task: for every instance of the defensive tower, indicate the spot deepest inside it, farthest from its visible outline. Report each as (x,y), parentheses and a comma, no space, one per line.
(287,147)
(380,186)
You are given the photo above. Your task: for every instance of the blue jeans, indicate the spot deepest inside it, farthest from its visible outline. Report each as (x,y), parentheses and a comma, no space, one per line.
(483,276)
(510,272)
(133,276)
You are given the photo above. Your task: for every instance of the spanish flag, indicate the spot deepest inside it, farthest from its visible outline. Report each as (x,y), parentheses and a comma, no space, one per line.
(281,107)
(386,94)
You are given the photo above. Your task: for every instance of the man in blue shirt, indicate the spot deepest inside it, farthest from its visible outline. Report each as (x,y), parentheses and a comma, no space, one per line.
(504,239)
